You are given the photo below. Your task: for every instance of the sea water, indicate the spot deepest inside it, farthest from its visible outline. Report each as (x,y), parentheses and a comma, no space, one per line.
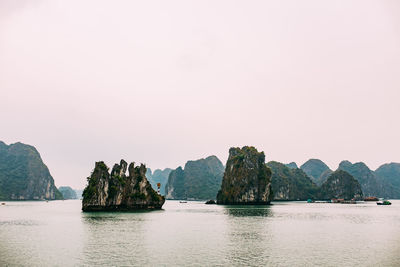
(58,233)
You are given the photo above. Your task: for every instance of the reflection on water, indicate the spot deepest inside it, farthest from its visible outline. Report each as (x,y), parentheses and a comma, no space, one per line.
(285,234)
(248,210)
(114,236)
(247,226)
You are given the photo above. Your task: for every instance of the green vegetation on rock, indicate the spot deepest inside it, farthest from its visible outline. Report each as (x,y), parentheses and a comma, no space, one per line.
(291,183)
(389,175)
(371,185)
(116,191)
(23,175)
(200,180)
(247,179)
(341,185)
(292,165)
(317,170)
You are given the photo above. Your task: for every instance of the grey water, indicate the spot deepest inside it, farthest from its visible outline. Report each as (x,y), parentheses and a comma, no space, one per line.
(57,233)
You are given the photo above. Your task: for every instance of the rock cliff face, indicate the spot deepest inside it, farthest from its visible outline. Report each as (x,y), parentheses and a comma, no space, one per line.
(370,183)
(158,176)
(317,170)
(200,180)
(292,165)
(117,192)
(291,183)
(389,174)
(23,175)
(341,184)
(247,179)
(67,192)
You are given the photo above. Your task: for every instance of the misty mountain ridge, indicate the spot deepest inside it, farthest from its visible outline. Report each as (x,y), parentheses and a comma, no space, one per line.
(24,176)
(158,176)
(200,179)
(317,170)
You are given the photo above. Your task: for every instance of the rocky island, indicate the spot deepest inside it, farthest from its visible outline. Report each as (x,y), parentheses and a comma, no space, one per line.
(23,175)
(341,185)
(116,191)
(371,185)
(247,179)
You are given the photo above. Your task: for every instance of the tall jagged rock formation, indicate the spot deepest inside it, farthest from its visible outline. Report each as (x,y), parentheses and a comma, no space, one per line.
(247,179)
(117,192)
(23,175)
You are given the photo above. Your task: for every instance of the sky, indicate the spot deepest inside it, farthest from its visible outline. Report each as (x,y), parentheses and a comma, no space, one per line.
(164,82)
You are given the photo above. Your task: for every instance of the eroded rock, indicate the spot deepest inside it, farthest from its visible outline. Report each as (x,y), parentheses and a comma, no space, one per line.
(247,179)
(116,191)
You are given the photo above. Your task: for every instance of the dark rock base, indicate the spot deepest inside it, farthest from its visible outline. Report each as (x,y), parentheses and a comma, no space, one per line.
(121,208)
(245,203)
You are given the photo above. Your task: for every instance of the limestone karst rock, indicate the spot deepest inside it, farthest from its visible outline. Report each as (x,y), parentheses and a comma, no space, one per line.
(67,192)
(389,174)
(341,184)
(317,170)
(291,183)
(292,165)
(23,175)
(199,180)
(371,185)
(247,179)
(116,191)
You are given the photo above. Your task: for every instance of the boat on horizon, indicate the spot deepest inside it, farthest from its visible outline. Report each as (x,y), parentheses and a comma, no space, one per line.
(385,203)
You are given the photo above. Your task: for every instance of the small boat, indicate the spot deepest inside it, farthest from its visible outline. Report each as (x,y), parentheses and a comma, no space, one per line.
(3,203)
(385,202)
(182,201)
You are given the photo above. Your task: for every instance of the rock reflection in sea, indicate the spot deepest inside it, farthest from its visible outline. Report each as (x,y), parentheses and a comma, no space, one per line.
(248,210)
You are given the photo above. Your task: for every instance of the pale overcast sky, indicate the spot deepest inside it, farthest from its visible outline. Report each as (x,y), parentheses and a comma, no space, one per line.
(163,82)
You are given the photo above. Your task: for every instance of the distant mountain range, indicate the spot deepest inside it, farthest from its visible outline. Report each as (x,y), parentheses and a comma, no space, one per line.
(67,192)
(200,179)
(158,176)
(24,176)
(384,182)
(289,183)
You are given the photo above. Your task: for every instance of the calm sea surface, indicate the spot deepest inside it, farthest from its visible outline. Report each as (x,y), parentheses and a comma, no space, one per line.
(57,233)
